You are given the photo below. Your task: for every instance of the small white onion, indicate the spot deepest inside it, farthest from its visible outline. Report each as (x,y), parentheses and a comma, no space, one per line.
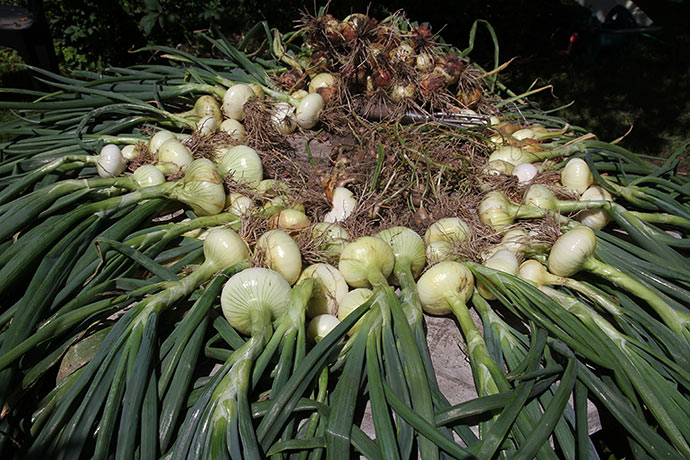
(350,302)
(524,133)
(502,260)
(158,139)
(595,218)
(235,98)
(400,92)
(175,153)
(525,172)
(300,94)
(207,125)
(364,258)
(281,254)
(111,163)
(576,175)
(129,152)
(239,204)
(235,129)
(441,281)
(540,196)
(424,62)
(251,290)
(320,326)
(450,229)
(241,163)
(511,154)
(329,289)
(147,176)
(571,250)
(290,220)
(308,110)
(437,251)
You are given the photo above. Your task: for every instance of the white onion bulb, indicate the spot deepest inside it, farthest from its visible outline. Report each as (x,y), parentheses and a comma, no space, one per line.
(235,129)
(110,163)
(576,175)
(281,254)
(344,204)
(308,110)
(525,172)
(235,98)
(329,289)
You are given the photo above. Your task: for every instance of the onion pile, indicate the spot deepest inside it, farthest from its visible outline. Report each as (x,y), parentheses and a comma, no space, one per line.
(237,274)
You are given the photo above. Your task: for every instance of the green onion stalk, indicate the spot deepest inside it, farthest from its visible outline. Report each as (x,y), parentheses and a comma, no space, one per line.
(627,319)
(41,203)
(259,303)
(574,251)
(662,398)
(410,259)
(368,262)
(526,300)
(71,308)
(120,381)
(499,212)
(526,364)
(201,189)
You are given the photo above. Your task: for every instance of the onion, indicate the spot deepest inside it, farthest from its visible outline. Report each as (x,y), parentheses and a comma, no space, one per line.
(308,110)
(570,251)
(239,204)
(129,152)
(281,254)
(450,229)
(320,326)
(496,210)
(329,289)
(540,196)
(330,237)
(322,80)
(444,285)
(502,260)
(424,62)
(290,220)
(241,163)
(110,163)
(576,175)
(350,302)
(158,139)
(148,175)
(201,188)
(207,105)
(235,98)
(344,204)
(300,94)
(595,218)
(513,155)
(403,53)
(400,92)
(234,128)
(525,172)
(366,262)
(408,249)
(207,125)
(437,252)
(174,156)
(253,293)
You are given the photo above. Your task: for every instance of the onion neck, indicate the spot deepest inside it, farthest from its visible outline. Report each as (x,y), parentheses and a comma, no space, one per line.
(485,369)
